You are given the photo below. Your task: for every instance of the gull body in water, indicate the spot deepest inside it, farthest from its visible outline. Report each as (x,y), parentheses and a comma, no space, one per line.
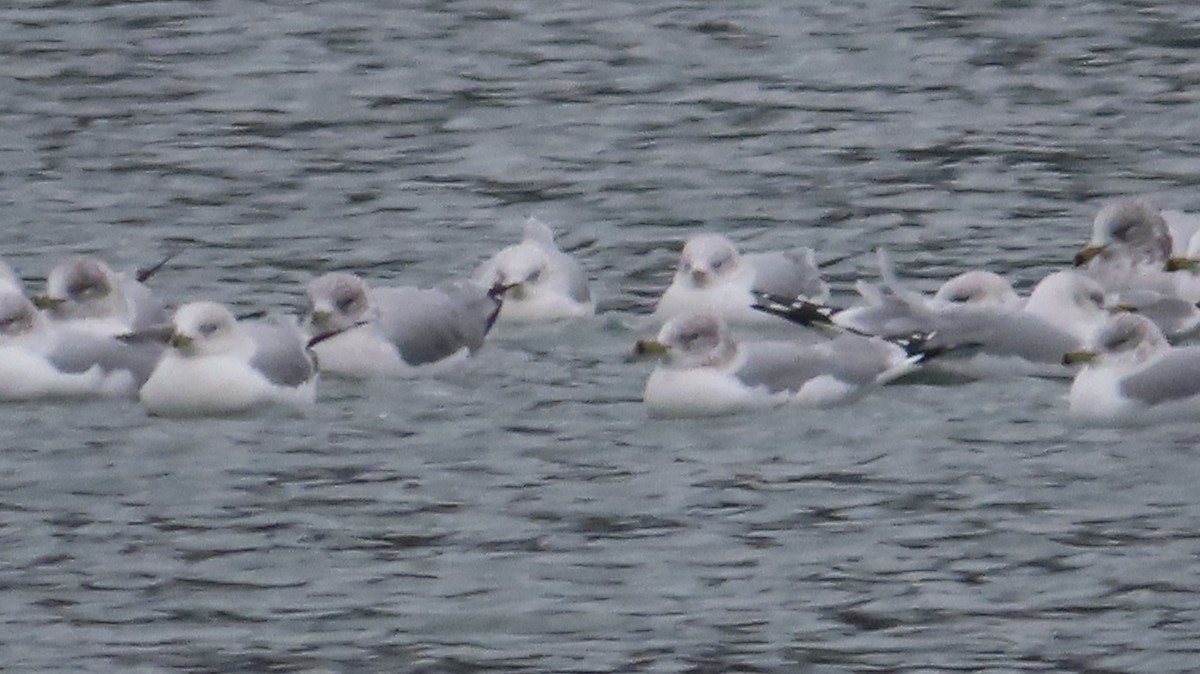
(713,277)
(397,331)
(701,369)
(542,283)
(215,364)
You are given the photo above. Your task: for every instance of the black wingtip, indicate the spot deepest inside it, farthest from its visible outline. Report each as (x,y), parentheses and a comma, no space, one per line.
(921,345)
(143,274)
(797,310)
(496,295)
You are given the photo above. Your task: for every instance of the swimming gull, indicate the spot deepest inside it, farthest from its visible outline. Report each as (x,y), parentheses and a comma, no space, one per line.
(43,359)
(703,370)
(712,276)
(984,340)
(542,282)
(397,331)
(216,364)
(83,289)
(1132,375)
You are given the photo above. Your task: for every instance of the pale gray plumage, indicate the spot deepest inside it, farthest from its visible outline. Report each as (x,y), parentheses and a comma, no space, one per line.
(1173,377)
(790,273)
(788,366)
(427,325)
(704,369)
(77,351)
(85,288)
(67,350)
(412,326)
(280,353)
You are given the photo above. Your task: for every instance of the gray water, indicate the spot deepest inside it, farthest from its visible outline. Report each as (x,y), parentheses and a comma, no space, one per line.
(524,514)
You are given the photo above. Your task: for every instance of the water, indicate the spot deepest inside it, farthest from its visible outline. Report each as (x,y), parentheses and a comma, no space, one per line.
(525,514)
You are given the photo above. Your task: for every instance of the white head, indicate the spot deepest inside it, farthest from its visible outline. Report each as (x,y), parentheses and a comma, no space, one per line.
(83,286)
(978,288)
(205,329)
(338,301)
(1071,300)
(521,269)
(706,259)
(691,341)
(1125,339)
(1130,229)
(18,316)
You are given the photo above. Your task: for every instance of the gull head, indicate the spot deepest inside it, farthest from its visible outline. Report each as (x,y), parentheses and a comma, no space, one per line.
(1133,229)
(980,288)
(337,301)
(82,286)
(204,329)
(707,259)
(1071,300)
(691,341)
(519,269)
(18,315)
(1124,339)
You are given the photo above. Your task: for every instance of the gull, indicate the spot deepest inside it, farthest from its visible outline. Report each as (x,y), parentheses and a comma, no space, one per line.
(712,276)
(542,282)
(986,340)
(895,310)
(1125,234)
(216,364)
(1133,249)
(1132,375)
(84,290)
(42,359)
(703,370)
(397,331)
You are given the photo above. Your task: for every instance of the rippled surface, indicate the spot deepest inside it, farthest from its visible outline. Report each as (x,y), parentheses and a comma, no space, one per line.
(524,514)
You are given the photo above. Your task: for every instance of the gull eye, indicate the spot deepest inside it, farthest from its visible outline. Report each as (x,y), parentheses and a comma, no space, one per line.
(207,328)
(345,304)
(1124,231)
(535,277)
(1096,299)
(85,289)
(1119,341)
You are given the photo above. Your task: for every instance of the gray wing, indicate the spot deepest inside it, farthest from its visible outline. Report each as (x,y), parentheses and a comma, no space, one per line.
(475,310)
(427,325)
(790,274)
(77,351)
(860,360)
(780,366)
(786,366)
(577,286)
(1176,317)
(1003,333)
(145,308)
(886,313)
(1172,377)
(1182,226)
(280,353)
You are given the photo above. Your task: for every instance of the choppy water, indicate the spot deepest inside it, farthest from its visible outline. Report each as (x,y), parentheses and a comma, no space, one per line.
(525,514)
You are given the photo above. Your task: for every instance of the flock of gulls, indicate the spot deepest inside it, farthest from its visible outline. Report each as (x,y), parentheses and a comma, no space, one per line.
(1114,322)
